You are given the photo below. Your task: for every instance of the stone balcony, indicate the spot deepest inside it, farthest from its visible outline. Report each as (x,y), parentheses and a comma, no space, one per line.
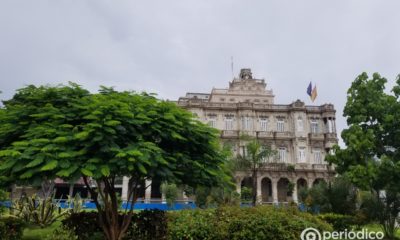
(274,166)
(316,136)
(268,135)
(283,135)
(229,134)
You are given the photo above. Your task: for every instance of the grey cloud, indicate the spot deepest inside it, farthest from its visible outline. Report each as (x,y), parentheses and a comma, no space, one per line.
(171,47)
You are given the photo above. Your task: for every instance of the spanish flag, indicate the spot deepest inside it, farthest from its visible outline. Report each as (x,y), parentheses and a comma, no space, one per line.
(314,93)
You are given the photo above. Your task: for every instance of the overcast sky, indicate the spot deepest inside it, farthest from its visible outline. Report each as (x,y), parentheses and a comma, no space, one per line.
(172,47)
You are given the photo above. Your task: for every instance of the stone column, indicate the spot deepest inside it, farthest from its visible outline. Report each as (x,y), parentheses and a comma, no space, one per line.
(163,199)
(294,194)
(147,195)
(238,185)
(310,182)
(125,187)
(259,191)
(184,197)
(274,183)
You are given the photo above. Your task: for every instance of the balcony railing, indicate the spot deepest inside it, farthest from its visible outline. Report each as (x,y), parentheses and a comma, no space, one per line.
(265,134)
(230,133)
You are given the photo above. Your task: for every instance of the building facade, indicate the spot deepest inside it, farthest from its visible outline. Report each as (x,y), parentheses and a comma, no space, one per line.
(301,135)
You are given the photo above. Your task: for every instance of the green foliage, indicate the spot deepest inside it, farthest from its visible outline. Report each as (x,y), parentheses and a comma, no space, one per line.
(340,196)
(215,196)
(11,228)
(145,225)
(339,222)
(3,197)
(246,194)
(75,204)
(371,158)
(64,131)
(261,222)
(41,212)
(85,225)
(171,193)
(61,233)
(256,155)
(148,225)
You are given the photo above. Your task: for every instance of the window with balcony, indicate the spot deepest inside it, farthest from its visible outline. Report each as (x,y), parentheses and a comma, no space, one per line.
(280,125)
(314,126)
(246,123)
(302,155)
(317,156)
(282,154)
(228,122)
(300,125)
(264,124)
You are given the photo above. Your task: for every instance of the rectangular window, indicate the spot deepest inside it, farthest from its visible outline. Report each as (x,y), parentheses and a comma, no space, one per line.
(228,122)
(282,154)
(302,155)
(317,156)
(300,125)
(280,125)
(314,126)
(246,123)
(263,124)
(212,121)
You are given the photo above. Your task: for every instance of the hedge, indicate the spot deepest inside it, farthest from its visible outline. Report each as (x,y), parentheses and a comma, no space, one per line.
(11,228)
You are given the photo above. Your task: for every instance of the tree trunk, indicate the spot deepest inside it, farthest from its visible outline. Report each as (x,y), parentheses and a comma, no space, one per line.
(114,228)
(254,190)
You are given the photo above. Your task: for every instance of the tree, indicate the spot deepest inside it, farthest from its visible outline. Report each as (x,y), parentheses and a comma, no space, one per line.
(252,161)
(371,158)
(67,132)
(339,196)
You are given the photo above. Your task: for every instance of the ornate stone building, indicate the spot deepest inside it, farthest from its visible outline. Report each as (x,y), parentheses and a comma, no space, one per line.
(301,135)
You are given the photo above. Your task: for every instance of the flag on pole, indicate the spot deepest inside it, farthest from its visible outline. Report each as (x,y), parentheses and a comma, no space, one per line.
(314,93)
(309,89)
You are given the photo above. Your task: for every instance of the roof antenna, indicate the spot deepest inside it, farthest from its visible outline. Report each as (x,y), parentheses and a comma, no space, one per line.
(232,66)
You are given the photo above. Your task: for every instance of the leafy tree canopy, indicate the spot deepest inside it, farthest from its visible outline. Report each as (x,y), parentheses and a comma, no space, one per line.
(371,158)
(65,131)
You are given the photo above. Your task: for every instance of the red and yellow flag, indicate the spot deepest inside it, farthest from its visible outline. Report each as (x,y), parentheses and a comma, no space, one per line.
(314,93)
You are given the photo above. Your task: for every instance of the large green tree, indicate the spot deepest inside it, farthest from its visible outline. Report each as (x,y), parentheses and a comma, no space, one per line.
(371,158)
(67,132)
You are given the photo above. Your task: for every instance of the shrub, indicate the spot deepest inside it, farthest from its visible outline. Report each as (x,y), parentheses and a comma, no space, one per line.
(148,225)
(41,212)
(246,194)
(339,222)
(192,224)
(171,193)
(11,228)
(62,233)
(261,222)
(85,225)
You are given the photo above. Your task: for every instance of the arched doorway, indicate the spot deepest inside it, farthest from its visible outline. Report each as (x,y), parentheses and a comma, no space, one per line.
(246,189)
(301,185)
(266,190)
(283,190)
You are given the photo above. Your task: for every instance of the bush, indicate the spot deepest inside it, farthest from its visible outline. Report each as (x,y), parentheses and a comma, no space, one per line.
(146,225)
(171,193)
(11,228)
(85,225)
(62,233)
(339,222)
(261,222)
(192,224)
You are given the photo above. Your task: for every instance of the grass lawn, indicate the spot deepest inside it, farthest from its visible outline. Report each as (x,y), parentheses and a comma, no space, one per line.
(37,233)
